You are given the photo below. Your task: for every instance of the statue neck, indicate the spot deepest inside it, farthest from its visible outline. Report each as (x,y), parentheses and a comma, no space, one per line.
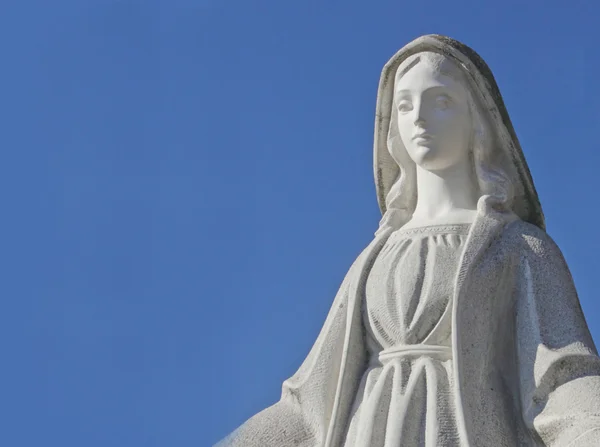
(443,197)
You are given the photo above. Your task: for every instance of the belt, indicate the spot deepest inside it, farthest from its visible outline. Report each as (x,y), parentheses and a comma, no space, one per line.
(441,352)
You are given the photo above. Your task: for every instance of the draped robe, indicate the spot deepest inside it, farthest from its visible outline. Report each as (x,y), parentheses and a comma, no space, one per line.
(527,371)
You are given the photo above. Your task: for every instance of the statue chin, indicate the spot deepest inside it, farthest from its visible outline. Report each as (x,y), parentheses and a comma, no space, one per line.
(429,158)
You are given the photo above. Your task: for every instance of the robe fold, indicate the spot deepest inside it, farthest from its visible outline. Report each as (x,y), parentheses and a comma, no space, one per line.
(527,371)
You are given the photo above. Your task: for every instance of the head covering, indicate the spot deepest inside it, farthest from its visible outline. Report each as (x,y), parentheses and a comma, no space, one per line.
(526,204)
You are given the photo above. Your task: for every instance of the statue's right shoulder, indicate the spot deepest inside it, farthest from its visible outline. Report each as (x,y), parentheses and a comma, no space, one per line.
(370,251)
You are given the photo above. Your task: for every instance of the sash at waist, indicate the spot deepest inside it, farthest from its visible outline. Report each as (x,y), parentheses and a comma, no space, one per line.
(439,352)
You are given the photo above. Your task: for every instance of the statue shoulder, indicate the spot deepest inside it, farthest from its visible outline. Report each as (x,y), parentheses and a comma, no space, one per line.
(527,238)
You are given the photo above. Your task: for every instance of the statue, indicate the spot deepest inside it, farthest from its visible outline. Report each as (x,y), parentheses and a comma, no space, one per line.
(459,325)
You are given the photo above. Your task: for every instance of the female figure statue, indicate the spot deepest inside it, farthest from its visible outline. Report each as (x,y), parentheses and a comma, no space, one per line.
(459,325)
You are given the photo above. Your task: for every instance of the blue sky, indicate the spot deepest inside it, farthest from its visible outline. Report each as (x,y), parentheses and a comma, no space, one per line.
(184,184)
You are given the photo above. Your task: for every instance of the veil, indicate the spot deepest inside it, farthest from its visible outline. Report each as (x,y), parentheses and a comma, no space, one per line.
(392,174)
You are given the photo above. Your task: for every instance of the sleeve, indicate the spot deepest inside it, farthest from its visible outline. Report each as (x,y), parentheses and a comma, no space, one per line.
(302,416)
(559,368)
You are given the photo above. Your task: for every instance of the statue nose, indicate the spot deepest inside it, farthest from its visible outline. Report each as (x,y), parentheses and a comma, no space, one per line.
(419,114)
(419,121)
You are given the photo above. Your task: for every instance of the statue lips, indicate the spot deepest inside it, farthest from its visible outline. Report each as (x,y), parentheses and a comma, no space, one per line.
(422,138)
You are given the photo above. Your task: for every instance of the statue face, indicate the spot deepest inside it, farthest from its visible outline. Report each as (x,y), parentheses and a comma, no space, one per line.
(433,116)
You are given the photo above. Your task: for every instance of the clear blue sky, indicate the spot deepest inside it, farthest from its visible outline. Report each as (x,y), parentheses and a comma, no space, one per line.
(185,182)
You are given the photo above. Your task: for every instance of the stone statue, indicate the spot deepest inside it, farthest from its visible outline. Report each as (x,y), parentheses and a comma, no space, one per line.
(459,325)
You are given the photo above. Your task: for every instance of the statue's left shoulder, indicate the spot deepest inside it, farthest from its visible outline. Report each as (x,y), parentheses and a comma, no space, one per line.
(524,236)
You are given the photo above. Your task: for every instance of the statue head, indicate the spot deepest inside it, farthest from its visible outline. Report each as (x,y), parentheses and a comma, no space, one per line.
(437,106)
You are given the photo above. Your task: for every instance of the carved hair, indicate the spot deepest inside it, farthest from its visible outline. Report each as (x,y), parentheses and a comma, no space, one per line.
(495,186)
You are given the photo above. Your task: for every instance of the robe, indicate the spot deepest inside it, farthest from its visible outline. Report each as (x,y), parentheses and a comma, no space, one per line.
(526,370)
(406,396)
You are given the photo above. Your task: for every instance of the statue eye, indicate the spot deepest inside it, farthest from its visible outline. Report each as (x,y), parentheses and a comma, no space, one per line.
(404,106)
(443,102)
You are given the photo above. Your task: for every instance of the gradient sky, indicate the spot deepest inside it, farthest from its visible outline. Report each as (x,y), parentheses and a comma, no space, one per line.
(185,183)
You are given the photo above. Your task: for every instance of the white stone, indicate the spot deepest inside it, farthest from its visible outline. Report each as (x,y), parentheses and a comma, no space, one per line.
(485,317)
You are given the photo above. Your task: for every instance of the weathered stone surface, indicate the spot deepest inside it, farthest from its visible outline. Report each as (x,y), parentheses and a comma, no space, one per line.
(460,323)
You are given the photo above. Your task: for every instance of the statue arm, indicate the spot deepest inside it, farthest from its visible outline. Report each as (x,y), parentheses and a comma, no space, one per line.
(301,417)
(559,366)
